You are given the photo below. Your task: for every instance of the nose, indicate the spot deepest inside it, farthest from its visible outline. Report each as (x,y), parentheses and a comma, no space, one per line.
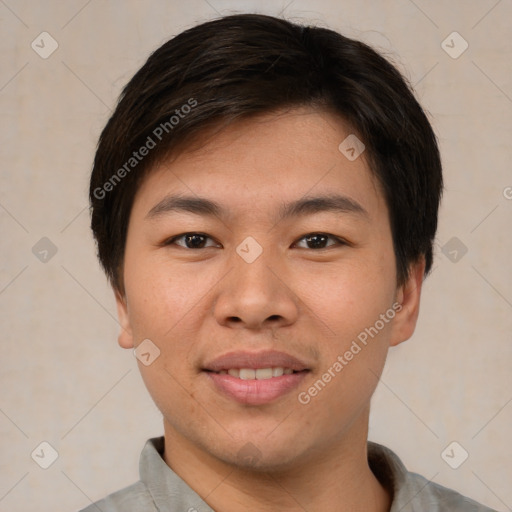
(256,295)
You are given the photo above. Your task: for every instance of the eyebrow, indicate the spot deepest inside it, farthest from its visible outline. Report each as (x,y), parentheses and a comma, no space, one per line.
(301,207)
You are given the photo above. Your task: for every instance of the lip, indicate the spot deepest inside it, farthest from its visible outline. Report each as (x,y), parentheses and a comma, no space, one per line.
(253,391)
(254,360)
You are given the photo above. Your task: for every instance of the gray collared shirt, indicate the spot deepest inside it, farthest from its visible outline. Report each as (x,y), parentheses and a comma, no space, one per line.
(160,489)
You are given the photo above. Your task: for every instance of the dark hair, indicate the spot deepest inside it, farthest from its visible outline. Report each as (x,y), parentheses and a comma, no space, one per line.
(243,65)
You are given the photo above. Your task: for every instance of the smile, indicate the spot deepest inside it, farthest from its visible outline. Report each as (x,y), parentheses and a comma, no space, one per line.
(257,374)
(255,378)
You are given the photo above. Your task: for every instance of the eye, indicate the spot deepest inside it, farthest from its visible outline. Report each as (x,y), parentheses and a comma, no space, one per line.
(191,241)
(200,241)
(319,241)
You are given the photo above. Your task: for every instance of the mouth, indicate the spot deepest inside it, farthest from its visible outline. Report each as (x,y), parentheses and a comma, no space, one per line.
(257,373)
(255,378)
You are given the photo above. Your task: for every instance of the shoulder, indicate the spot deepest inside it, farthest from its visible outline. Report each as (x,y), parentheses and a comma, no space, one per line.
(133,498)
(438,497)
(413,492)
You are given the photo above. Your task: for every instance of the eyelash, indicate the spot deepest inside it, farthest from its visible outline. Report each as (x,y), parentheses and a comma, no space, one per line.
(340,241)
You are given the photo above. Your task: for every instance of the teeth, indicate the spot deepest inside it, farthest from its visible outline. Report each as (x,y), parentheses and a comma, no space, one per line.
(258,374)
(263,373)
(247,373)
(277,372)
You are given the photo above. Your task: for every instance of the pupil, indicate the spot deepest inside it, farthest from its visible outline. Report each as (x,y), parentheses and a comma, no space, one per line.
(316,240)
(193,241)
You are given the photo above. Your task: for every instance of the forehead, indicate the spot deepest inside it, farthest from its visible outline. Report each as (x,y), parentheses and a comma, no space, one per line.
(271,158)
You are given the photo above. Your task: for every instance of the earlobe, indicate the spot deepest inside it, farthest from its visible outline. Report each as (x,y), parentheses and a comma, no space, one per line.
(408,296)
(125,338)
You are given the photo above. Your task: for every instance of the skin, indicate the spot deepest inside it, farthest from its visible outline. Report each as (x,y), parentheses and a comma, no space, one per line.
(197,304)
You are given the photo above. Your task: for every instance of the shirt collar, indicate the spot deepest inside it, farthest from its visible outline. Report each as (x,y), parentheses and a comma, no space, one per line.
(390,472)
(169,492)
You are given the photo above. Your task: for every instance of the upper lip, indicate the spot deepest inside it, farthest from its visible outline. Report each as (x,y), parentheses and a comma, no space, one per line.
(255,360)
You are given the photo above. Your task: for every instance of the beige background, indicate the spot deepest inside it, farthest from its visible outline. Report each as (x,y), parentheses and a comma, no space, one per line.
(64,379)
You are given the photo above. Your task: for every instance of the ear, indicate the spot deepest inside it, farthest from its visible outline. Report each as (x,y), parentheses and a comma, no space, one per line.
(125,338)
(408,296)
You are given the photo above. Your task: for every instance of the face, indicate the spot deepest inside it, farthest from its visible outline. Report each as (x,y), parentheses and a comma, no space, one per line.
(262,269)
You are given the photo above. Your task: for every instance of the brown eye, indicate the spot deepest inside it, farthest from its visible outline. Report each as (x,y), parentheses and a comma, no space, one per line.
(319,241)
(191,241)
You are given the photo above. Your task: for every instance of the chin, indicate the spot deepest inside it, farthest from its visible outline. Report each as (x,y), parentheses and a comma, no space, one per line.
(264,458)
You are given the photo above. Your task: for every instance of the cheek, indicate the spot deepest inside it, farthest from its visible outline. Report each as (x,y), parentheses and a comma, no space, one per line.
(353,356)
(348,298)
(159,297)
(161,306)
(167,305)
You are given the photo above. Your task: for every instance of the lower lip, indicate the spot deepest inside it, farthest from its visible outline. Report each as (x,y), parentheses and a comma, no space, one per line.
(253,391)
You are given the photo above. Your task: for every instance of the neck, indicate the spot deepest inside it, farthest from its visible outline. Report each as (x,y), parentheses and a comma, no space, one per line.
(332,481)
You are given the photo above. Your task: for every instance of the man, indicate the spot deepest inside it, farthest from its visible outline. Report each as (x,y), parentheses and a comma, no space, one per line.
(264,200)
